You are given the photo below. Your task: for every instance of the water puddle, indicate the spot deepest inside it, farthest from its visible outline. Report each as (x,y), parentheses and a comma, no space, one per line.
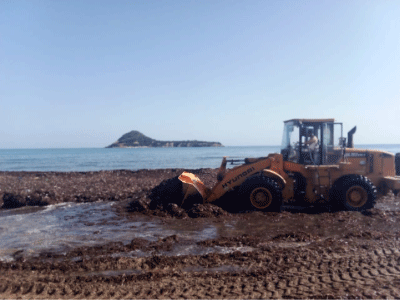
(61,227)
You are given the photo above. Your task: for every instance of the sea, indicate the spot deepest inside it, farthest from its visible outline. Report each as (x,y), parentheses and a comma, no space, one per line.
(96,159)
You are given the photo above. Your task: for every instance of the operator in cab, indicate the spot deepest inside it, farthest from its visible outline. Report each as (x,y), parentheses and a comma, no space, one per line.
(312,143)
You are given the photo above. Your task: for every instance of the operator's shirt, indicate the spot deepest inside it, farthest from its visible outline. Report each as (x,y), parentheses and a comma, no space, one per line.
(313,143)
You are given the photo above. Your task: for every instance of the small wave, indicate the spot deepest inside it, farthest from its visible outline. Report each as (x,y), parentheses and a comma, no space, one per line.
(51,207)
(54,206)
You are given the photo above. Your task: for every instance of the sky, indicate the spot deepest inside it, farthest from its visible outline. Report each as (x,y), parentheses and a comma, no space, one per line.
(82,73)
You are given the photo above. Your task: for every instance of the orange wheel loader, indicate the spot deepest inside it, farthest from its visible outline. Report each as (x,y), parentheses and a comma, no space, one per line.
(316,166)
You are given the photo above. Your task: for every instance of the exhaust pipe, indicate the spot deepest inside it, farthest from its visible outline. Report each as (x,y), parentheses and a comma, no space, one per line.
(350,142)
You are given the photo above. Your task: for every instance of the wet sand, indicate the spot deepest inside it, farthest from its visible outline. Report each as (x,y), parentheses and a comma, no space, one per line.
(292,254)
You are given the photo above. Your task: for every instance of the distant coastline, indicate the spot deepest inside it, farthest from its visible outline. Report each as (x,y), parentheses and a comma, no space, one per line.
(136,139)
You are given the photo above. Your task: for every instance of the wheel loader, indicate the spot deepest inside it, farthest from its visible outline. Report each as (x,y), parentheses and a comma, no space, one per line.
(316,166)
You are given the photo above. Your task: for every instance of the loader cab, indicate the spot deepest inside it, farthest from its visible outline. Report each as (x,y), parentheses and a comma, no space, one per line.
(312,141)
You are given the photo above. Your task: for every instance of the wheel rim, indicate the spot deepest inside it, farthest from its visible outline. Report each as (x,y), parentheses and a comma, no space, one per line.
(356,196)
(261,198)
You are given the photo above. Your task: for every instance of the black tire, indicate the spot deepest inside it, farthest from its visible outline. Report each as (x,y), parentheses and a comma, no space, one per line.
(262,193)
(354,193)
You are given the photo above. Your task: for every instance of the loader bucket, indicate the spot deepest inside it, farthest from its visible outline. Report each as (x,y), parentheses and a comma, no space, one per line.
(193,185)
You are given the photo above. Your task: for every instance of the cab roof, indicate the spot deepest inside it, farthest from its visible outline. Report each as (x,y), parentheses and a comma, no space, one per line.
(311,120)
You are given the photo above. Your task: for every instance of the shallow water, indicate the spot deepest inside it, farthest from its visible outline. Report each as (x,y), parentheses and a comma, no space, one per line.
(28,231)
(61,227)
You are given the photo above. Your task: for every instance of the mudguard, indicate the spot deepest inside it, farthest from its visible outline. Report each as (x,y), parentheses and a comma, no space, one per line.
(276,176)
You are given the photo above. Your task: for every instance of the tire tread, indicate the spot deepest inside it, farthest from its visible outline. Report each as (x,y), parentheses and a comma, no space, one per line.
(262,181)
(340,187)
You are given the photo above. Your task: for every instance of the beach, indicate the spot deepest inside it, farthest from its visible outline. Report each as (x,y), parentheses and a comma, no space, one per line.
(292,254)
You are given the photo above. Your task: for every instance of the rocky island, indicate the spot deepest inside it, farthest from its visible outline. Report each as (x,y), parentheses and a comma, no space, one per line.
(136,139)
